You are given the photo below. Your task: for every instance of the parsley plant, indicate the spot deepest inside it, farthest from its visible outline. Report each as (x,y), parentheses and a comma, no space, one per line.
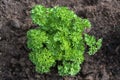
(59,38)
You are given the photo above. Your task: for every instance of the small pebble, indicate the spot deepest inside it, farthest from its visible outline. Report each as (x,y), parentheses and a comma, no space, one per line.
(0,53)
(31,79)
(0,38)
(1,25)
(22,61)
(15,23)
(89,78)
(37,76)
(13,61)
(27,70)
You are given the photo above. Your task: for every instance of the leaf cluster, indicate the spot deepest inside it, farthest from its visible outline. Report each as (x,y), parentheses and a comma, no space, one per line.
(61,38)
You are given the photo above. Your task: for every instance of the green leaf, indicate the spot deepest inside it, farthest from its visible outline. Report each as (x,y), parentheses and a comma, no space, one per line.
(36,38)
(94,45)
(59,38)
(43,60)
(69,68)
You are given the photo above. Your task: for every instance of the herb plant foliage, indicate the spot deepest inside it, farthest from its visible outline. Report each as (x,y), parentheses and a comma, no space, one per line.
(59,38)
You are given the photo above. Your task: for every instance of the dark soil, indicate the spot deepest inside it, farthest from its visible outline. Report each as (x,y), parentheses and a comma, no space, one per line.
(15,21)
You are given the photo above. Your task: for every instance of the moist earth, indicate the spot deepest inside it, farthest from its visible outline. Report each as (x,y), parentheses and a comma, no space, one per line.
(15,21)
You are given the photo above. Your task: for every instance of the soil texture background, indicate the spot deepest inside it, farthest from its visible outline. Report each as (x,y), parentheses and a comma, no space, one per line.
(15,21)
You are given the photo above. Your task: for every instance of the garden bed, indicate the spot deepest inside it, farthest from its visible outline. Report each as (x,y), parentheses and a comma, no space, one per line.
(15,21)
